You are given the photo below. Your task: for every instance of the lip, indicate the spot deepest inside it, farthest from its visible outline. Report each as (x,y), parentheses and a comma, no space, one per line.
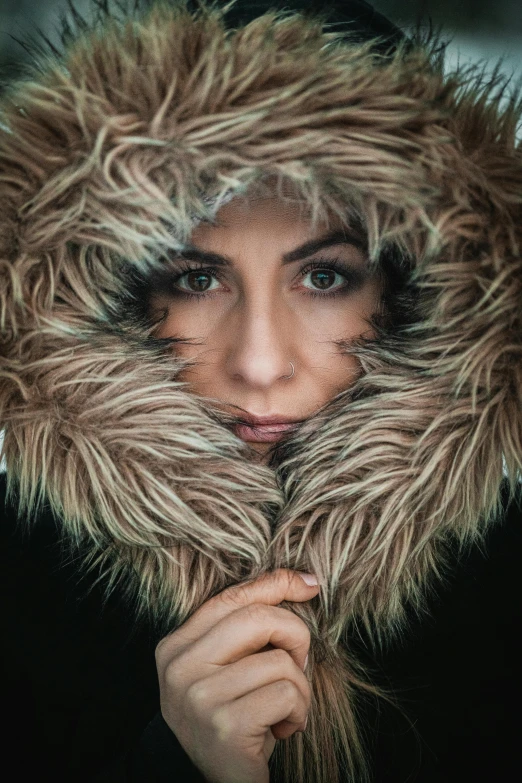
(265,433)
(261,421)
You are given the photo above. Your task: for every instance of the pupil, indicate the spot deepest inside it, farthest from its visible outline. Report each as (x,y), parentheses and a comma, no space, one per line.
(325,278)
(198,276)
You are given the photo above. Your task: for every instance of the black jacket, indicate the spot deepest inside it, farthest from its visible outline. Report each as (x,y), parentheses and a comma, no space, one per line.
(81,695)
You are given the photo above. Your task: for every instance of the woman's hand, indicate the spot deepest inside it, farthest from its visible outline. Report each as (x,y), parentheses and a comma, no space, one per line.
(231,678)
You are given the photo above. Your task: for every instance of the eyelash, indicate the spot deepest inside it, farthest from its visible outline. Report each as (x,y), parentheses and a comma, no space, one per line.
(353,277)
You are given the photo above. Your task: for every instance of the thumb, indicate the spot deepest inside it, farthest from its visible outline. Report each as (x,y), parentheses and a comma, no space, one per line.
(272,588)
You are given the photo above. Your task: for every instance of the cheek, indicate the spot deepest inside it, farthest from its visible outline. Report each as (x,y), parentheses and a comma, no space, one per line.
(341,317)
(362,308)
(181,319)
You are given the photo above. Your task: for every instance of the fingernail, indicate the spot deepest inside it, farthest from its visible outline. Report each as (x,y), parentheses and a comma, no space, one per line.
(306,721)
(305,663)
(310,579)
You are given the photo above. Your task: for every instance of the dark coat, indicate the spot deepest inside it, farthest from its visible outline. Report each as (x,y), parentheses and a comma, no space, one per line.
(83,698)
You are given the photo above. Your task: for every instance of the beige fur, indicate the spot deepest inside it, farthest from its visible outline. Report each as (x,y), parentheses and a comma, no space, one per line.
(106,156)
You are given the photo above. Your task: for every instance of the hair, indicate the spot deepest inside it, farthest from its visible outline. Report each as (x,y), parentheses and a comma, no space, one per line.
(361,23)
(330,747)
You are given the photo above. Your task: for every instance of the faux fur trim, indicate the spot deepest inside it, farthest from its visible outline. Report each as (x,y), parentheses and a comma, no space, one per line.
(107,155)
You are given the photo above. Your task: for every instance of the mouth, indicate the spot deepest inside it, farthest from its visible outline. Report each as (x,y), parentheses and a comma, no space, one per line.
(263,433)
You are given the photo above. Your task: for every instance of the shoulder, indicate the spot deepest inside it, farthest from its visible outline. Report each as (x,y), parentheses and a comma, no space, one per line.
(71,656)
(456,669)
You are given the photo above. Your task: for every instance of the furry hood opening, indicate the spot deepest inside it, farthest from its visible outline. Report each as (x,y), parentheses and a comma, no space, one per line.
(109,154)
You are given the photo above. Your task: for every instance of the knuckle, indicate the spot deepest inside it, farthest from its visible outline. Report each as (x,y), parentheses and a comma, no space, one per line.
(197,695)
(288,690)
(302,631)
(299,627)
(158,652)
(223,724)
(241,594)
(173,676)
(283,577)
(165,648)
(162,644)
(307,636)
(234,596)
(290,667)
(281,657)
(291,673)
(258,613)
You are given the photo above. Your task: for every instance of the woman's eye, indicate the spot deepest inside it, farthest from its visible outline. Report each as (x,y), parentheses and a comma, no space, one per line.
(320,278)
(332,277)
(324,279)
(198,282)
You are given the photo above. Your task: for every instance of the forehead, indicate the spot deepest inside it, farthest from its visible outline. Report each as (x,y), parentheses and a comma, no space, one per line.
(267,225)
(281,205)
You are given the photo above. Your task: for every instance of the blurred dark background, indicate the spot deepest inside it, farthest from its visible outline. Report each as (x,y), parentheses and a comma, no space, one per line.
(480,28)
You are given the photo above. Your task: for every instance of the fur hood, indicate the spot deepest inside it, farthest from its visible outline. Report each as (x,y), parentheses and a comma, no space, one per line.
(109,153)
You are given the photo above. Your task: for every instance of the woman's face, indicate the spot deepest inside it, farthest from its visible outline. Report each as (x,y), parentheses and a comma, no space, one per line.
(268,297)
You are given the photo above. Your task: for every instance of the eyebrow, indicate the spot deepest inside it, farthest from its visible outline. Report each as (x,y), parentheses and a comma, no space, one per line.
(342,237)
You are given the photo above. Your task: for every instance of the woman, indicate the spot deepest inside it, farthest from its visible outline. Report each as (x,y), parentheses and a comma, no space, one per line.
(214,216)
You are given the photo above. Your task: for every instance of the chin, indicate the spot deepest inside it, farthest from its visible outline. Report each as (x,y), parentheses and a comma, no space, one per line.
(261,448)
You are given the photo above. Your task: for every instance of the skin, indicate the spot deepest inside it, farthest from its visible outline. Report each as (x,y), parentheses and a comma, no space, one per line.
(260,314)
(231,678)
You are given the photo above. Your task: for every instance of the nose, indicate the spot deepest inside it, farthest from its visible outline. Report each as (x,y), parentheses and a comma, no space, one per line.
(259,344)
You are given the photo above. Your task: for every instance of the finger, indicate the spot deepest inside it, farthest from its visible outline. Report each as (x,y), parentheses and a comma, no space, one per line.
(253,715)
(228,683)
(272,588)
(246,631)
